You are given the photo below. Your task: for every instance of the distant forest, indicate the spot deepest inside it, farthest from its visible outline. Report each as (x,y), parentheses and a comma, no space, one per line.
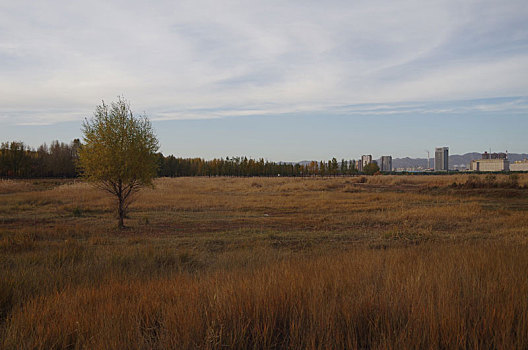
(59,159)
(18,160)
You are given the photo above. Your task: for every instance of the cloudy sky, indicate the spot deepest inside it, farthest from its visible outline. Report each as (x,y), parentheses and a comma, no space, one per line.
(284,80)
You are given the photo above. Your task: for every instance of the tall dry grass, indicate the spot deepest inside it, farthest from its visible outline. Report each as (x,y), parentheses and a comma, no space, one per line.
(448,297)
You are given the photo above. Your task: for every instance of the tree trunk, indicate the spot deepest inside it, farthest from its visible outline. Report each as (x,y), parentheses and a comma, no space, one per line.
(120,208)
(121,214)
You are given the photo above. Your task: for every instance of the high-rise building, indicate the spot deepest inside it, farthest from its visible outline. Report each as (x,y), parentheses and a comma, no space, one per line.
(386,163)
(441,159)
(366,159)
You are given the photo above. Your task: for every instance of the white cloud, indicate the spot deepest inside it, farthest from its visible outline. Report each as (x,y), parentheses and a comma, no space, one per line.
(203,59)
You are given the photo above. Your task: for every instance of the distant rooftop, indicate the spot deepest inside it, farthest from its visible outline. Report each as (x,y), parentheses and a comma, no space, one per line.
(501,155)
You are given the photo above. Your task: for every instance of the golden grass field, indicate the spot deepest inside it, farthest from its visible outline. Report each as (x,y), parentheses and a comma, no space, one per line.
(379,262)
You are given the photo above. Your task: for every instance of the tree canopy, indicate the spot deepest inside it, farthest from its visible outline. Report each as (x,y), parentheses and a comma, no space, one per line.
(118,153)
(371,168)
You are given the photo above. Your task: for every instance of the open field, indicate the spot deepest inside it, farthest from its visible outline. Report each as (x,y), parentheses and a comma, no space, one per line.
(310,263)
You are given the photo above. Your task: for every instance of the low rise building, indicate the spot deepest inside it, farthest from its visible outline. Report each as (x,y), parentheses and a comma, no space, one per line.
(491,162)
(496,164)
(520,165)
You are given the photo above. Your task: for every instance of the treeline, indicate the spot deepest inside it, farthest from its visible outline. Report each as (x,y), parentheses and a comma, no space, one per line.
(59,159)
(242,166)
(18,160)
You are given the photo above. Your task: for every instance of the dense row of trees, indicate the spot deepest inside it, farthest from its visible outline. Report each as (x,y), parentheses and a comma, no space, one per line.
(59,159)
(56,160)
(242,166)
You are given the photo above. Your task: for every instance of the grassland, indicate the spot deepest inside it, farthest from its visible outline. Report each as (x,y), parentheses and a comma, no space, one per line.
(415,262)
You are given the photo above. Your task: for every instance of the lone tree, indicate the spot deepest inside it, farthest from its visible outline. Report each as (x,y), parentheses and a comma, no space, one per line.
(118,153)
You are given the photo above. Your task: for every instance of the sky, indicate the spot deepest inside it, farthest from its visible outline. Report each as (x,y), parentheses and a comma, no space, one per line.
(282,80)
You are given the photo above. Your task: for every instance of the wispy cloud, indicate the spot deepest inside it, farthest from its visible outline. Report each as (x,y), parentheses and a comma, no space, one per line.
(212,59)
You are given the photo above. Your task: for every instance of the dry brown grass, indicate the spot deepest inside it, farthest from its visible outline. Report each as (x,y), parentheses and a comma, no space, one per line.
(384,262)
(11,186)
(422,298)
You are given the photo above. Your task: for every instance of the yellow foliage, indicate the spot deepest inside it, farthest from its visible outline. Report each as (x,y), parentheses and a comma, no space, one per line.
(118,153)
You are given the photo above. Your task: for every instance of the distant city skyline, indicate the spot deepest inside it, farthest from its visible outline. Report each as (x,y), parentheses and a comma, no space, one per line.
(285,81)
